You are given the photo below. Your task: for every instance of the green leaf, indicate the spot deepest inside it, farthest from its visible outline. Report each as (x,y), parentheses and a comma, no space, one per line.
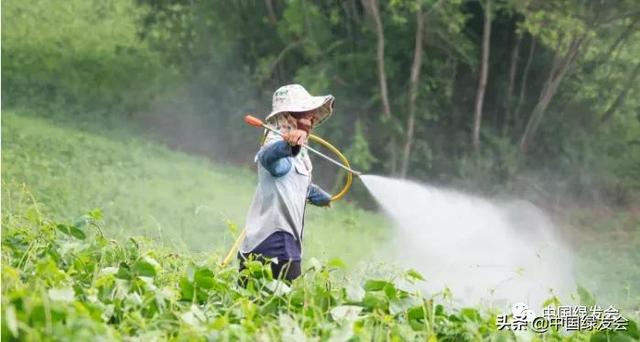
(95,214)
(375,300)
(220,323)
(376,285)
(33,215)
(416,313)
(413,274)
(12,320)
(38,315)
(204,278)
(388,288)
(124,272)
(470,314)
(336,263)
(72,231)
(585,297)
(144,268)
(391,292)
(632,329)
(186,289)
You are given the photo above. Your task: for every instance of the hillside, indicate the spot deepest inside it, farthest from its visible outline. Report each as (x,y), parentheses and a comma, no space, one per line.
(185,202)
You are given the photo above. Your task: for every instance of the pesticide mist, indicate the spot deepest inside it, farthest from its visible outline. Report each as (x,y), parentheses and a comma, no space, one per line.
(485,252)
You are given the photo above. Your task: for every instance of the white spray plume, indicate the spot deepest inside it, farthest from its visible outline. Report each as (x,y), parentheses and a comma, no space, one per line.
(485,252)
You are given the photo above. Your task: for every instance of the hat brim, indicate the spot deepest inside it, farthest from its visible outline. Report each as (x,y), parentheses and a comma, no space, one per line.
(324,103)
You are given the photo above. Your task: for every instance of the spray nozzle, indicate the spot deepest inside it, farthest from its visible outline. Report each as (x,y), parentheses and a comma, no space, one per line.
(253,121)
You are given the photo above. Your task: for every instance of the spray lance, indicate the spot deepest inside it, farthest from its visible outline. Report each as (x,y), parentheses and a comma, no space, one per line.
(255,122)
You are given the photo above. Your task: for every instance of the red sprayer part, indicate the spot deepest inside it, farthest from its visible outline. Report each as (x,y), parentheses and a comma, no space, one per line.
(253,121)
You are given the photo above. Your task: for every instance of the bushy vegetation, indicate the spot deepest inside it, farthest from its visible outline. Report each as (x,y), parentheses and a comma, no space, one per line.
(77,56)
(65,282)
(558,110)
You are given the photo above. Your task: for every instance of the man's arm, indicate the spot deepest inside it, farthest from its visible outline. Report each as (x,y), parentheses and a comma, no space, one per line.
(273,157)
(318,197)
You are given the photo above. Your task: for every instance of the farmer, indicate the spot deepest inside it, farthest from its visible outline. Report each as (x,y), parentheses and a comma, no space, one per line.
(275,221)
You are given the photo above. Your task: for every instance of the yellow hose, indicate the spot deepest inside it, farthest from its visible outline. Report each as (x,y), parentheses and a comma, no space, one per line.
(339,195)
(343,159)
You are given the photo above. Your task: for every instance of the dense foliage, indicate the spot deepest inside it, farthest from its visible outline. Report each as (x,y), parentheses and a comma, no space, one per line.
(76,55)
(65,282)
(558,104)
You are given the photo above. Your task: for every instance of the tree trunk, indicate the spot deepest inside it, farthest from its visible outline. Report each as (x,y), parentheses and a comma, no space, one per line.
(513,69)
(271,13)
(620,99)
(559,68)
(484,71)
(372,7)
(413,92)
(523,83)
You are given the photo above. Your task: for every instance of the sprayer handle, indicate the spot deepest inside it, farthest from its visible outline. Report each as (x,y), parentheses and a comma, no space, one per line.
(253,121)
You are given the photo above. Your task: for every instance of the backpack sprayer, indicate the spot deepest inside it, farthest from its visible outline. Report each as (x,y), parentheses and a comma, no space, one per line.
(255,122)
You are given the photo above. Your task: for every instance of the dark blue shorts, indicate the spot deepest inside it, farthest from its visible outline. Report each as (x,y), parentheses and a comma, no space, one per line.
(281,245)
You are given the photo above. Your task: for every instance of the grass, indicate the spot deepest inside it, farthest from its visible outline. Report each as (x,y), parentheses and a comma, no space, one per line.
(607,245)
(182,201)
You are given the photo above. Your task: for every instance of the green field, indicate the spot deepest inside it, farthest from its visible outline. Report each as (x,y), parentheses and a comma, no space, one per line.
(144,189)
(607,247)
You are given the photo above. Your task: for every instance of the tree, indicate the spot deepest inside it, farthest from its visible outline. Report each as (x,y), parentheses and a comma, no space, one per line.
(484,71)
(513,69)
(567,28)
(373,10)
(413,91)
(623,93)
(562,62)
(523,81)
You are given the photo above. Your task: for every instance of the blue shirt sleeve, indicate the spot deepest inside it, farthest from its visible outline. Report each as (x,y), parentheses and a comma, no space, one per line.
(317,196)
(275,157)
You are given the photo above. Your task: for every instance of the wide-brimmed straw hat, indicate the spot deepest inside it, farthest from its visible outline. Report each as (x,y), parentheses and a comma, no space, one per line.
(294,98)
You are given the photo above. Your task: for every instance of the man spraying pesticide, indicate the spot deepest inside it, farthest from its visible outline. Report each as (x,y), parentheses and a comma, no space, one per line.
(275,220)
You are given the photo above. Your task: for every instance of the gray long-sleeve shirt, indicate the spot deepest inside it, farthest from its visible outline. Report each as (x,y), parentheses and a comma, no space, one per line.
(284,186)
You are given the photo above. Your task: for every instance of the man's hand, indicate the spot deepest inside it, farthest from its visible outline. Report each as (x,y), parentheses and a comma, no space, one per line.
(296,137)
